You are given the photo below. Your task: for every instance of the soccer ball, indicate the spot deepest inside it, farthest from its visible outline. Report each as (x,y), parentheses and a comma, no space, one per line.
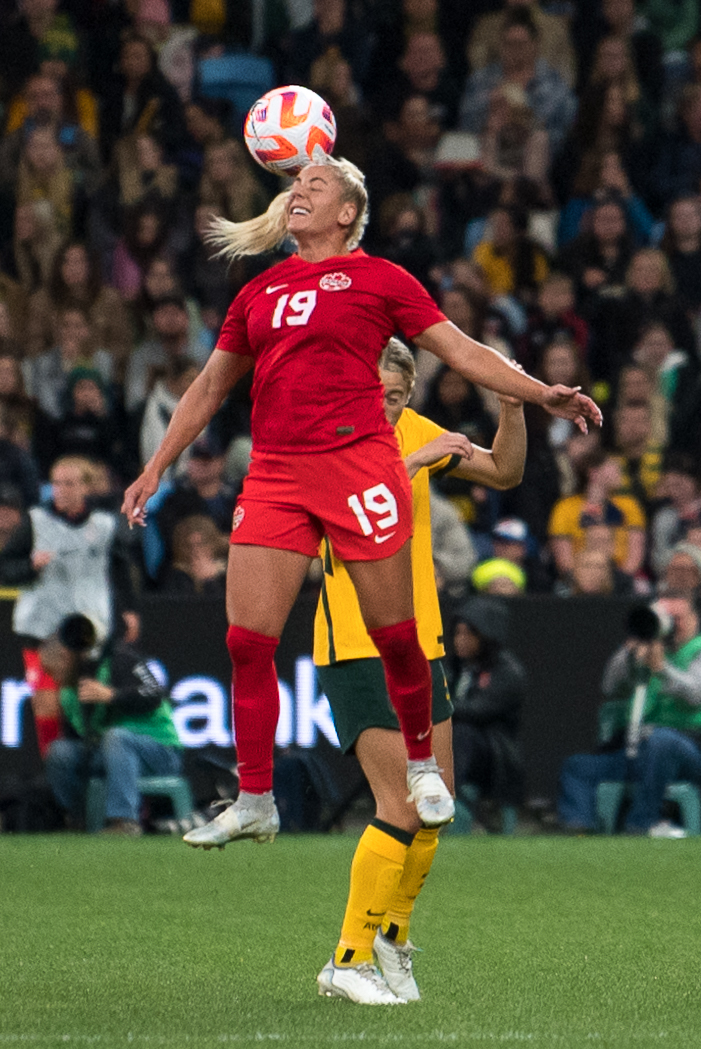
(289,128)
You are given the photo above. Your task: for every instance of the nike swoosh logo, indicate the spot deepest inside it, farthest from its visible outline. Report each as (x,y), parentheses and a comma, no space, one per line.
(424,735)
(274,287)
(384,538)
(374,914)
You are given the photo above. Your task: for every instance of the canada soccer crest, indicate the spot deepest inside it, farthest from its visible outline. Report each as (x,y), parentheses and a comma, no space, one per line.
(239,513)
(335,282)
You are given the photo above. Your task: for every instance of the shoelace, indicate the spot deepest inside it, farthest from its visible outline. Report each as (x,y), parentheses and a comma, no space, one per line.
(405,951)
(369,972)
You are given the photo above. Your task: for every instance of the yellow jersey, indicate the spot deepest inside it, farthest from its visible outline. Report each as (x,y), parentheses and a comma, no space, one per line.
(339,630)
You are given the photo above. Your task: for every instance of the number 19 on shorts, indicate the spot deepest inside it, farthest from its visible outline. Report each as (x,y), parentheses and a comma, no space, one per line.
(379,502)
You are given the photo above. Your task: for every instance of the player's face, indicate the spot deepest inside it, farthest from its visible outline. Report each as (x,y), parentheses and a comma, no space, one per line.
(315,205)
(396,395)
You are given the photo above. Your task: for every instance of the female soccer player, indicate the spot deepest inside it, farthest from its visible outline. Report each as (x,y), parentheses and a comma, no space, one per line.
(325,461)
(395,852)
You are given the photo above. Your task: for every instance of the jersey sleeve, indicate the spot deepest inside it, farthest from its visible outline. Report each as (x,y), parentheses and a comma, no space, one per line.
(233,337)
(408,303)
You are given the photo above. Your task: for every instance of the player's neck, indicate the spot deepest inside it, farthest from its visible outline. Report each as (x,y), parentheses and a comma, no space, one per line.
(316,250)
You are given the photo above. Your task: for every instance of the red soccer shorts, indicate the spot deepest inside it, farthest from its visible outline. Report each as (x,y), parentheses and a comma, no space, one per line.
(359,495)
(35,674)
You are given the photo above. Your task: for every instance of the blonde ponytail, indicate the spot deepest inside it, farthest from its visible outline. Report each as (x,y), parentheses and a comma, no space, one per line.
(263,233)
(252,237)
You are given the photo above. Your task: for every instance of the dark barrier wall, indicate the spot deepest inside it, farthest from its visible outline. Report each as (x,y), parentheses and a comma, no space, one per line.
(564,644)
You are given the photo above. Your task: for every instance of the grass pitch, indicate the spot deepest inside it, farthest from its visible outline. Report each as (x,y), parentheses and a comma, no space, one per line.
(546,942)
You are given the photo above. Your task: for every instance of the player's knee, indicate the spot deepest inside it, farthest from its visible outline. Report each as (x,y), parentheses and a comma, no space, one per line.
(247,647)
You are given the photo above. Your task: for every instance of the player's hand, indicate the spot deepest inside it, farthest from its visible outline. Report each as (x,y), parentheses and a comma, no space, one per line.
(569,402)
(40,559)
(137,495)
(445,444)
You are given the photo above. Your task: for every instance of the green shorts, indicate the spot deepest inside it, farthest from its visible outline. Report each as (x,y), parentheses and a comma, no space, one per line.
(357,694)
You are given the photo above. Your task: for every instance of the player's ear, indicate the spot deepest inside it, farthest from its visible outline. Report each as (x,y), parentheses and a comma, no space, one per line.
(348,213)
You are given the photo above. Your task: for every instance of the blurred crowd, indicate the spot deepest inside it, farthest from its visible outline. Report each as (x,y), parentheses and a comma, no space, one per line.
(537,165)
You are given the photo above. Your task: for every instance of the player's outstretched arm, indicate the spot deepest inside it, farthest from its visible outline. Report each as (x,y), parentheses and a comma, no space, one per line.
(195,409)
(484,366)
(502,467)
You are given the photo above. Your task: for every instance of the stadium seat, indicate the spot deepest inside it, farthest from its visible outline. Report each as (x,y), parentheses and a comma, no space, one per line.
(464,802)
(609,796)
(241,79)
(176,788)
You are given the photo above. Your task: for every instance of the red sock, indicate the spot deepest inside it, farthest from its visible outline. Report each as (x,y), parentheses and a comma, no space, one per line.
(408,677)
(256,706)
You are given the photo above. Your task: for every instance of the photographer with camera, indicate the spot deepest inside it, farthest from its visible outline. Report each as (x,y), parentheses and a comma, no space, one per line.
(116,722)
(657,673)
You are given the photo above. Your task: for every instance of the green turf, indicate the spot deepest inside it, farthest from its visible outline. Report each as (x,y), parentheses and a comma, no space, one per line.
(542,942)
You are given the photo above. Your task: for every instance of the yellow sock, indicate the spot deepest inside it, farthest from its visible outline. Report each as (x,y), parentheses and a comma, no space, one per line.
(419,857)
(375,874)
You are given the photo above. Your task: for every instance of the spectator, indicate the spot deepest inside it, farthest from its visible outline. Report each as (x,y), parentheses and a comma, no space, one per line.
(206,121)
(682,573)
(597,503)
(17,468)
(553,316)
(639,460)
(404,238)
(553,33)
(681,244)
(36,241)
(161,402)
(403,161)
(648,296)
(499,577)
(421,70)
(18,409)
(65,558)
(511,261)
(116,722)
(680,488)
(161,281)
(333,25)
(602,175)
(560,362)
(145,236)
(46,376)
(228,185)
(619,18)
(595,569)
(75,281)
(208,279)
(512,542)
(200,553)
(331,77)
(513,145)
(488,686)
(44,180)
(11,506)
(88,427)
(592,574)
(520,63)
(677,171)
(171,341)
(43,103)
(453,552)
(598,258)
(660,750)
(668,371)
(466,309)
(202,490)
(37,24)
(139,98)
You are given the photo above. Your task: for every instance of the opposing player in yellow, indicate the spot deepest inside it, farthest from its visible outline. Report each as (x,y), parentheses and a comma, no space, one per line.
(395,852)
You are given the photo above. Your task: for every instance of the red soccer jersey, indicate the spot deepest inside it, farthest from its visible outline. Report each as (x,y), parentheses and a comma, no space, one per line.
(316,331)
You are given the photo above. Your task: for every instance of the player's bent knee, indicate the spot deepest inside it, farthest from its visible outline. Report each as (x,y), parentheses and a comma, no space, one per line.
(246,647)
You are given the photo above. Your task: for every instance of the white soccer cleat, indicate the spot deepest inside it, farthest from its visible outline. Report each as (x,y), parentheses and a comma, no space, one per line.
(395,961)
(259,821)
(363,984)
(666,829)
(429,793)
